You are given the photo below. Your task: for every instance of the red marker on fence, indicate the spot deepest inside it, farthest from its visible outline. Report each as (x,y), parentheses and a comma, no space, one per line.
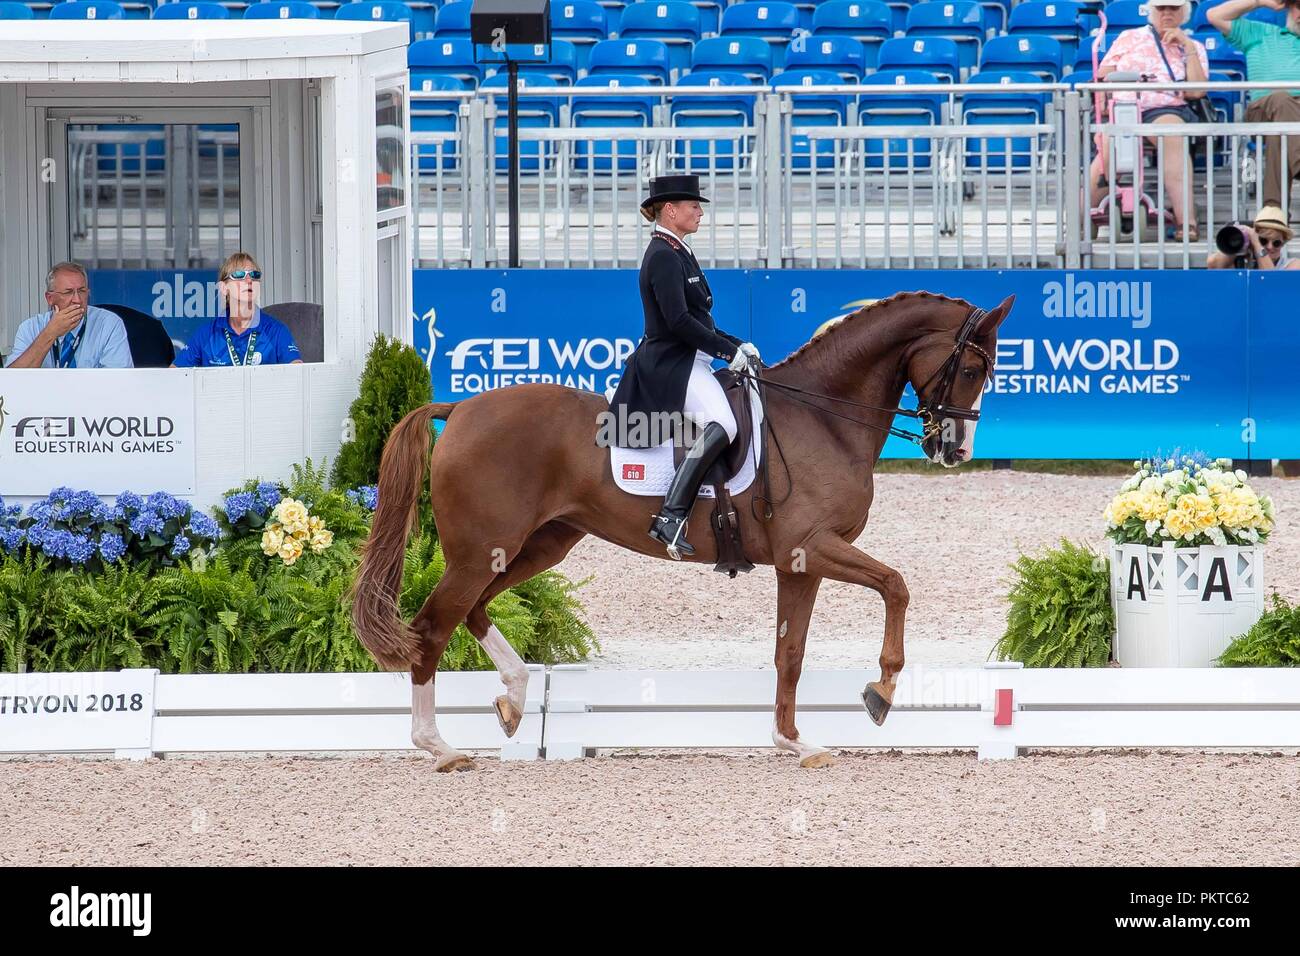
(1002,708)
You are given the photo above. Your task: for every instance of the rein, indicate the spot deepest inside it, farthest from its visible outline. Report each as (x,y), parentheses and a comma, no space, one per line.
(928,414)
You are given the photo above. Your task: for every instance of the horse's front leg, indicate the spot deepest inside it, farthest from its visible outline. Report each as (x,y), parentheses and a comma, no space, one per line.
(835,558)
(795,595)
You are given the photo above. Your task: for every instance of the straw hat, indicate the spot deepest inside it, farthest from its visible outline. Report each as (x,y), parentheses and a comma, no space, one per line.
(1272,217)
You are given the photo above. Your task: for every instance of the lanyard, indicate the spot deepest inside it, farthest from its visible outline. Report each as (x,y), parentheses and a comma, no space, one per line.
(1160,48)
(68,357)
(248,352)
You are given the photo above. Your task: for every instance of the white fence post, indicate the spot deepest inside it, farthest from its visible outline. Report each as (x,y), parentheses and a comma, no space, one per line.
(1001,707)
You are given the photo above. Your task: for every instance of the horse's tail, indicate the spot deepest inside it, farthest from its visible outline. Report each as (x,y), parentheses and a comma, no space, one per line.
(375,614)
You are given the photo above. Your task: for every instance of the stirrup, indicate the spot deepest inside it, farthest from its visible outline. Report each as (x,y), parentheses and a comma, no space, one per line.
(677,544)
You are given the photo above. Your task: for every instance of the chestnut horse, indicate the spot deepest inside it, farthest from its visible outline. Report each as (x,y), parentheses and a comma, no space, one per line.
(516,480)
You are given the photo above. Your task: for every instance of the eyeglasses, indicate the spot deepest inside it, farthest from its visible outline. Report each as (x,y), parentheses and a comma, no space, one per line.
(1274,243)
(241,273)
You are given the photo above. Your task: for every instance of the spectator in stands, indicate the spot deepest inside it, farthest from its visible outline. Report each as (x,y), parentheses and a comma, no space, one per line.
(1161,52)
(1272,54)
(245,335)
(1266,240)
(72,333)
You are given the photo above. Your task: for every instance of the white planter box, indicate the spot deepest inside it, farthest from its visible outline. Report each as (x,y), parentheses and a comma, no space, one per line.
(1182,607)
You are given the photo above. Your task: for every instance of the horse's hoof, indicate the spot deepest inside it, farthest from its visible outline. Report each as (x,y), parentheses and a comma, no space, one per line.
(507,716)
(455,762)
(821,758)
(877,705)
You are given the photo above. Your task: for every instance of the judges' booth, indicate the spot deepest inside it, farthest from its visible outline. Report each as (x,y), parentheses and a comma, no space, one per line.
(148,151)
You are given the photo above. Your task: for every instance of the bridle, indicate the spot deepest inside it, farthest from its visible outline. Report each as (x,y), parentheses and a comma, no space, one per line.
(931,415)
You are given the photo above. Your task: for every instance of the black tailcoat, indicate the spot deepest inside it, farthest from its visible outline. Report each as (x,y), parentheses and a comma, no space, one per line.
(676,299)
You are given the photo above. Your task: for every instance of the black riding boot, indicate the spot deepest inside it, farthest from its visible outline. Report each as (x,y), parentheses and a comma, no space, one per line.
(670,524)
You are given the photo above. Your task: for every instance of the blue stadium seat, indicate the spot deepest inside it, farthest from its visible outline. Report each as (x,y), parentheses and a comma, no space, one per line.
(1080,76)
(1083,56)
(1058,19)
(937,55)
(282,10)
(909,109)
(843,56)
(1010,108)
(676,23)
(423,13)
(385,11)
(582,22)
(1125,15)
(191,10)
(436,116)
(453,19)
(603,112)
(535,112)
(898,10)
(1223,57)
(87,10)
(867,21)
(15,11)
(1032,54)
(961,21)
(774,22)
(614,15)
(562,67)
(450,57)
(750,56)
(645,58)
(812,109)
(728,108)
(997,14)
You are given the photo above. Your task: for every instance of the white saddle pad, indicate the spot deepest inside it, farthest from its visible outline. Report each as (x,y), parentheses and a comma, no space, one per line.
(649,471)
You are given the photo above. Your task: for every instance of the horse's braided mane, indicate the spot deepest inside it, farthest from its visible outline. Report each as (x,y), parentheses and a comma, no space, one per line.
(819,342)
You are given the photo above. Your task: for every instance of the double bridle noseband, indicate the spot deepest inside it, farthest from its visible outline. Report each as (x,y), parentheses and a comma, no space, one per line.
(930,415)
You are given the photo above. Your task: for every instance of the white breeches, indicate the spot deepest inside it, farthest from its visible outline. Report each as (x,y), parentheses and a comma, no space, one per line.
(705,401)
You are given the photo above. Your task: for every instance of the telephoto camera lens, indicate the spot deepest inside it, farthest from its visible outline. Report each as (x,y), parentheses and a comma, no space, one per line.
(1230,240)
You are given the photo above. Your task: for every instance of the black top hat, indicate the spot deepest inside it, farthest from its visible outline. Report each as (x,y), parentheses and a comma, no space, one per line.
(671,189)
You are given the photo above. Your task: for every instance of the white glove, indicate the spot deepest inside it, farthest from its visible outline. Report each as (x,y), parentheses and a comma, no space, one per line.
(744,355)
(750,349)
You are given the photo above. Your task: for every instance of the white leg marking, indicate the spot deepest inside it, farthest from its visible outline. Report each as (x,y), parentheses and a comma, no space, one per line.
(514,674)
(424,728)
(796,747)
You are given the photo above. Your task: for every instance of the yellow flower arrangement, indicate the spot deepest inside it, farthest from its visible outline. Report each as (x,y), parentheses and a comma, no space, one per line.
(292,530)
(1190,502)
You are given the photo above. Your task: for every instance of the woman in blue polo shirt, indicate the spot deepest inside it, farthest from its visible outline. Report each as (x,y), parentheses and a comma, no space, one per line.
(245,335)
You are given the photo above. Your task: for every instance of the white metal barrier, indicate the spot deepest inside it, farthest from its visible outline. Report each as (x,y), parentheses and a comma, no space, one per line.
(999,711)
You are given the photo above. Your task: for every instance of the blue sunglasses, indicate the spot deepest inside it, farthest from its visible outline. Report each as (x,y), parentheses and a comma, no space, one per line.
(240,273)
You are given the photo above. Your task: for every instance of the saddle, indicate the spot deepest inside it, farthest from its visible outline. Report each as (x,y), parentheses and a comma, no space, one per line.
(723,521)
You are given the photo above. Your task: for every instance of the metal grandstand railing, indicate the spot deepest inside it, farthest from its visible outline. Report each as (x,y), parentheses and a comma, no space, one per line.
(938,176)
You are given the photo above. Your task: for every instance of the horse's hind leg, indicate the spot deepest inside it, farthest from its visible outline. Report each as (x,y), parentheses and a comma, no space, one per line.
(544,549)
(436,622)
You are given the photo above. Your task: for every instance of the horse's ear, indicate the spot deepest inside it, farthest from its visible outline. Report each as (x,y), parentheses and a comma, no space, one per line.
(989,324)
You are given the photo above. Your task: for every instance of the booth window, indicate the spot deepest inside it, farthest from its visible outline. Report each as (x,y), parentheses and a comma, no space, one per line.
(390,149)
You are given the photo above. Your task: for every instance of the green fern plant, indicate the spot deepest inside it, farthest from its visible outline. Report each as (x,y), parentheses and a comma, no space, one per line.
(105,621)
(213,619)
(30,602)
(1273,641)
(1060,613)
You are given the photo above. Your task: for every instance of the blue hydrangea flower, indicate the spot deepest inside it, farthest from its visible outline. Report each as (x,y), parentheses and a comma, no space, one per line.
(80,548)
(111,547)
(167,506)
(102,513)
(238,505)
(11,539)
(62,493)
(145,522)
(130,500)
(268,495)
(83,503)
(181,546)
(202,526)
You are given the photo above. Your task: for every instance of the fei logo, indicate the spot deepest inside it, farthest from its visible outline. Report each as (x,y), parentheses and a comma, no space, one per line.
(73,909)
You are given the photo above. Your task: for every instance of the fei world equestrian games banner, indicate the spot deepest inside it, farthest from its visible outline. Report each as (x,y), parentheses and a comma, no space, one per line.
(98,429)
(1091,364)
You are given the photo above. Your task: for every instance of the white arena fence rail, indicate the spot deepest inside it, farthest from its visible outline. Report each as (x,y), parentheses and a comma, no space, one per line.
(923,176)
(999,711)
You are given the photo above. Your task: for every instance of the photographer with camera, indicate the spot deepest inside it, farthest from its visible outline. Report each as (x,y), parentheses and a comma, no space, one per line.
(1258,246)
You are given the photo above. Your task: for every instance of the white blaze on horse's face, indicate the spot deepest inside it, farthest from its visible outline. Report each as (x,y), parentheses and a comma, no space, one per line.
(966,451)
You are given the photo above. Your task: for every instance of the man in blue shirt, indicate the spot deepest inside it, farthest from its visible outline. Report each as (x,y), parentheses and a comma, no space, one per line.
(73,333)
(245,335)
